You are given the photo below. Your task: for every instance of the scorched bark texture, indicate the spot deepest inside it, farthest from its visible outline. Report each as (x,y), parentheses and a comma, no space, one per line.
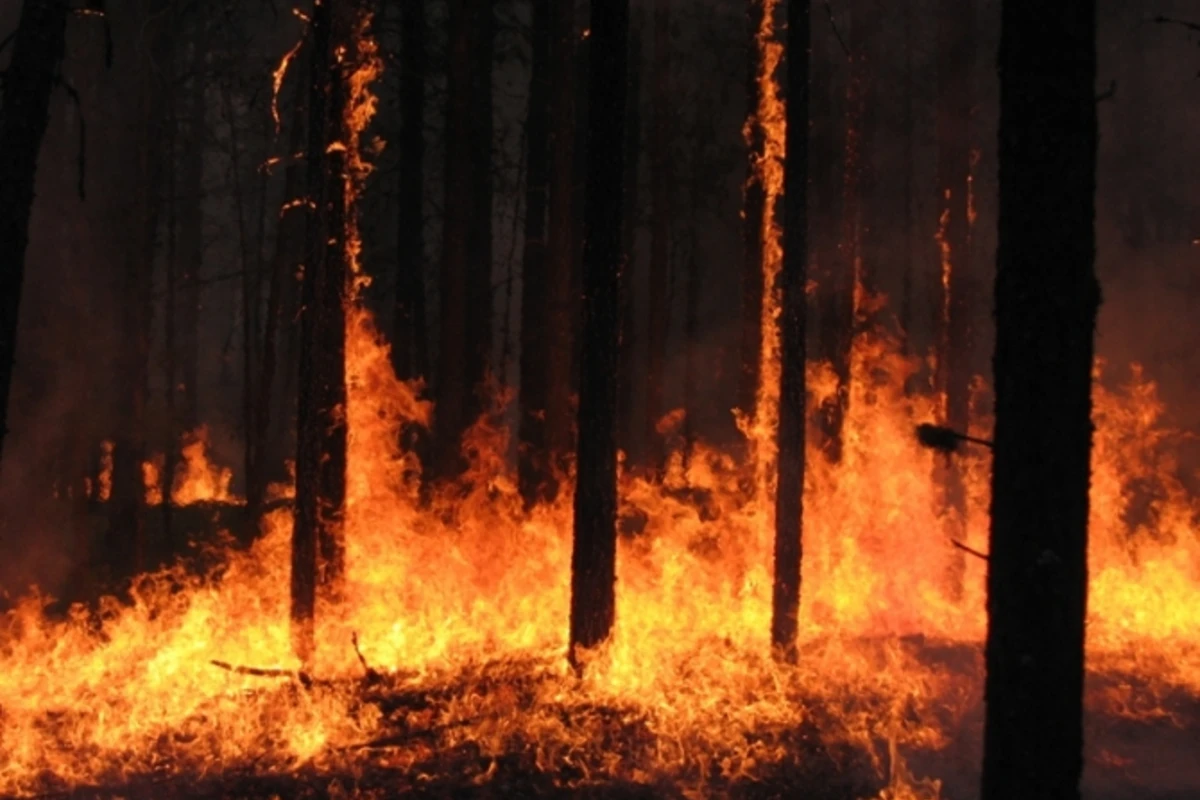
(534,465)
(1046,302)
(593,560)
(793,278)
(321,423)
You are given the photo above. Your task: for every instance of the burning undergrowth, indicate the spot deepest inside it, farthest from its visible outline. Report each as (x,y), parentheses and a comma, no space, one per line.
(443,659)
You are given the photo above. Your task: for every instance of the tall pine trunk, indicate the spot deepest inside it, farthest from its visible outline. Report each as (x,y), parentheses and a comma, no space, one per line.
(629,436)
(410,347)
(789,497)
(593,560)
(321,389)
(38,48)
(535,468)
(658,317)
(1046,302)
(561,238)
(752,221)
(479,241)
(953,333)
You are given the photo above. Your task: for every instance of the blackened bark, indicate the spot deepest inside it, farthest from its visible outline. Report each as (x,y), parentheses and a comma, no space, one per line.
(629,438)
(953,338)
(479,231)
(289,233)
(752,221)
(593,560)
(658,313)
(1046,303)
(789,497)
(534,467)
(317,557)
(562,240)
(126,544)
(838,318)
(28,82)
(691,321)
(410,346)
(191,249)
(452,409)
(908,167)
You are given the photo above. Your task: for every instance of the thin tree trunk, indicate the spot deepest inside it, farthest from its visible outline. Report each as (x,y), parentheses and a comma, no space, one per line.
(629,437)
(908,168)
(534,467)
(38,48)
(838,322)
(321,426)
(479,239)
(1046,302)
(452,411)
(410,348)
(289,233)
(127,543)
(593,560)
(953,338)
(789,497)
(752,221)
(691,322)
(191,249)
(660,235)
(562,240)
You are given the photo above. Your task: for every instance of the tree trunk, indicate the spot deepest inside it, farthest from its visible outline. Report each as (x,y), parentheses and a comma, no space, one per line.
(126,543)
(289,233)
(1046,303)
(752,221)
(593,560)
(789,497)
(908,167)
(452,409)
(629,437)
(410,348)
(534,467)
(838,321)
(479,230)
(658,315)
(191,249)
(38,48)
(953,332)
(562,239)
(321,425)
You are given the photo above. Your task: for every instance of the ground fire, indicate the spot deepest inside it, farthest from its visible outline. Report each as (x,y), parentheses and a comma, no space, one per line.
(862,581)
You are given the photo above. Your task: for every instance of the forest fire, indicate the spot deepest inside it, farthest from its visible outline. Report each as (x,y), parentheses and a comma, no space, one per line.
(389,621)
(458,613)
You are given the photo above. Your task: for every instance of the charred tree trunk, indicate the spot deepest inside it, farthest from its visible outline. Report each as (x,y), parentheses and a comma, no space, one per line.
(317,558)
(593,561)
(289,233)
(789,497)
(191,251)
(479,230)
(629,437)
(908,166)
(562,240)
(534,466)
(752,222)
(38,48)
(1046,302)
(455,381)
(658,317)
(953,337)
(410,348)
(126,545)
(691,320)
(838,321)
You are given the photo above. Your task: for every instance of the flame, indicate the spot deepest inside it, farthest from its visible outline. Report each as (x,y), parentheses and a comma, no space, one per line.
(771,118)
(464,595)
(277,78)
